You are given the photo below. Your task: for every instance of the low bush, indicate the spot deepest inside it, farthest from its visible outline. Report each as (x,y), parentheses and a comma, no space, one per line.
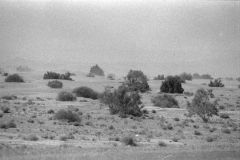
(202,106)
(203,76)
(67,115)
(224,116)
(55,84)
(129,140)
(198,133)
(5,74)
(8,124)
(162,144)
(226,130)
(210,139)
(85,92)
(165,101)
(172,84)
(216,83)
(186,76)
(31,137)
(5,109)
(122,101)
(111,76)
(159,77)
(65,96)
(54,75)
(96,70)
(14,78)
(9,97)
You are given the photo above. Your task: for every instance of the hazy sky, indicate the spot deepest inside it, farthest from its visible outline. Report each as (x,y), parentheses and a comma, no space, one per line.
(192,36)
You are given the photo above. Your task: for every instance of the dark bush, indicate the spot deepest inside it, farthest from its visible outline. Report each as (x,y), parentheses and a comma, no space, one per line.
(85,92)
(172,84)
(55,84)
(129,140)
(96,70)
(14,78)
(137,81)
(165,101)
(67,115)
(122,101)
(202,106)
(216,83)
(162,144)
(65,96)
(54,75)
(186,76)
(159,77)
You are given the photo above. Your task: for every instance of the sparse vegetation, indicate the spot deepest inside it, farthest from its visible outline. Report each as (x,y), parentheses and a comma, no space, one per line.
(216,83)
(14,78)
(55,84)
(122,101)
(202,106)
(165,101)
(172,84)
(54,75)
(96,71)
(67,115)
(65,96)
(85,92)
(137,81)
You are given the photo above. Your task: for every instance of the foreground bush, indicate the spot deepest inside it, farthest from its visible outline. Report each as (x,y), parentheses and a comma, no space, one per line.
(14,78)
(159,77)
(96,70)
(202,106)
(137,81)
(122,101)
(216,83)
(172,84)
(65,96)
(185,76)
(165,101)
(54,75)
(67,115)
(55,84)
(85,92)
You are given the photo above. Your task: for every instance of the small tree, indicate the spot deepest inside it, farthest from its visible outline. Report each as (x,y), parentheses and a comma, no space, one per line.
(216,83)
(137,81)
(172,84)
(202,106)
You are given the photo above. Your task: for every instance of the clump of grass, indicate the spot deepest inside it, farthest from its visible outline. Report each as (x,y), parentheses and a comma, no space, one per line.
(8,124)
(65,96)
(85,92)
(224,115)
(55,84)
(165,101)
(129,140)
(31,137)
(67,115)
(226,130)
(162,144)
(14,78)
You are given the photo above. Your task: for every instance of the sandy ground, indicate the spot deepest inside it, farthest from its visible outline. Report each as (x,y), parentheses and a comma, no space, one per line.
(96,137)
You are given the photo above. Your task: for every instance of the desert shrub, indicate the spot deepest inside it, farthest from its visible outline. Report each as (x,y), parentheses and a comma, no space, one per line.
(96,70)
(159,77)
(216,83)
(55,84)
(186,76)
(137,81)
(154,111)
(162,144)
(224,115)
(129,140)
(202,106)
(111,76)
(172,84)
(54,75)
(14,78)
(65,96)
(122,101)
(8,124)
(85,92)
(165,101)
(67,115)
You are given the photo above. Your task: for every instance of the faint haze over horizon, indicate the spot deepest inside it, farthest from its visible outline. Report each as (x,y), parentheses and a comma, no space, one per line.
(158,37)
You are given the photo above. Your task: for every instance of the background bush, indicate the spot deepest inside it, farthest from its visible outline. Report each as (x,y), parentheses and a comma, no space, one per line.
(65,96)
(55,84)
(165,101)
(172,84)
(202,106)
(96,70)
(203,76)
(122,101)
(111,76)
(14,78)
(67,115)
(186,76)
(216,83)
(85,92)
(159,77)
(54,75)
(137,81)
